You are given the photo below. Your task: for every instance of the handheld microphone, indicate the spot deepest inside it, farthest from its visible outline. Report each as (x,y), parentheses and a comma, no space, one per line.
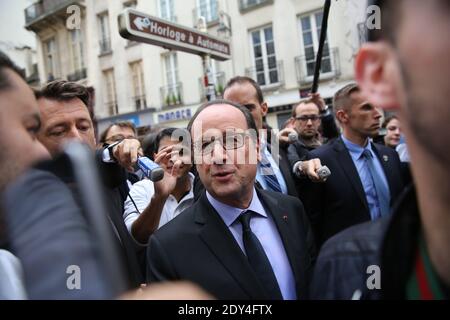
(150,169)
(292,137)
(323,173)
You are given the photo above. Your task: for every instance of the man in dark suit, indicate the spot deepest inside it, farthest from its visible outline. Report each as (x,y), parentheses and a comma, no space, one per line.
(366,177)
(236,241)
(65,116)
(246,91)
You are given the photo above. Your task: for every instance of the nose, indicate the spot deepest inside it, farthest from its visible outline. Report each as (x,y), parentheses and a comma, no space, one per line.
(219,155)
(74,134)
(377,113)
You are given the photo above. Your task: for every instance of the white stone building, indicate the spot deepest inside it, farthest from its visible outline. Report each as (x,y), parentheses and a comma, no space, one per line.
(273,41)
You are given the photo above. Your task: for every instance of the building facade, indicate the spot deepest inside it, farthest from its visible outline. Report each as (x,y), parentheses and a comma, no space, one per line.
(272,41)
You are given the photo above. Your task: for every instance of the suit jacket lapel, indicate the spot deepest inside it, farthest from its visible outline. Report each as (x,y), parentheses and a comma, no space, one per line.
(280,216)
(218,238)
(346,162)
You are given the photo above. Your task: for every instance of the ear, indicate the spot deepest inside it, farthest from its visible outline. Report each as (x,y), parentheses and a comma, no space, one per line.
(377,73)
(264,108)
(342,116)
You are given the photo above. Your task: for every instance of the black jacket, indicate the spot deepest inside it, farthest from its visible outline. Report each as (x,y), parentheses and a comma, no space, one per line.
(197,246)
(298,151)
(341,202)
(390,243)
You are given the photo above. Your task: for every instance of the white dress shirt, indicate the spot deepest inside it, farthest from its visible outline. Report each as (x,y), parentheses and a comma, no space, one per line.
(142,193)
(266,231)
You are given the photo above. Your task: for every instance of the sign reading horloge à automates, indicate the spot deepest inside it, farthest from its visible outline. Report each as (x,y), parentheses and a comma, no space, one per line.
(138,26)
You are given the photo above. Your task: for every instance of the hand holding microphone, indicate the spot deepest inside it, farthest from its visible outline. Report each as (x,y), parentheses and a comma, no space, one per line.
(313,169)
(287,136)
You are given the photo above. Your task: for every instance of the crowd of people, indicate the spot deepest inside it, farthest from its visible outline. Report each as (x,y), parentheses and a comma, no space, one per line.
(241,211)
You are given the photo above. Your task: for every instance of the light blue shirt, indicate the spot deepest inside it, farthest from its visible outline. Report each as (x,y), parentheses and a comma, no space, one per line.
(265,154)
(356,152)
(267,233)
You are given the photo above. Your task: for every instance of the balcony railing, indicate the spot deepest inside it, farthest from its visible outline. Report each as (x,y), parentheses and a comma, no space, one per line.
(105,46)
(140,102)
(330,67)
(77,75)
(219,85)
(267,75)
(44,8)
(248,5)
(172,95)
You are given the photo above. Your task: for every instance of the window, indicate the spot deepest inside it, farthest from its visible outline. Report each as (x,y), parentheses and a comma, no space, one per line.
(171,94)
(76,50)
(105,40)
(166,10)
(218,78)
(249,4)
(137,80)
(111,101)
(50,59)
(208,9)
(265,62)
(171,67)
(310,29)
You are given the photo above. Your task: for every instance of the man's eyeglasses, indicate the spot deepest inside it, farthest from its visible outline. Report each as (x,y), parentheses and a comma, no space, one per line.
(313,118)
(229,142)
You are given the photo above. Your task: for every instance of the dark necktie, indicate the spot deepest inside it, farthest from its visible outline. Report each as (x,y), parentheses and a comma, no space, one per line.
(380,187)
(258,259)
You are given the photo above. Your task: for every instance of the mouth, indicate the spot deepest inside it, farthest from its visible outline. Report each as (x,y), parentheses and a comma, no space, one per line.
(375,127)
(223,176)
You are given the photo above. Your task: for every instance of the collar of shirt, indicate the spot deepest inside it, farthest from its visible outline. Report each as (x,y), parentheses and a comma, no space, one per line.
(229,214)
(356,150)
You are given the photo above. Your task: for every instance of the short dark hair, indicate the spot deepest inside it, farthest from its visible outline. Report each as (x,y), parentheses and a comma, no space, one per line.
(166,132)
(7,63)
(243,80)
(309,100)
(62,90)
(341,99)
(121,124)
(387,120)
(248,116)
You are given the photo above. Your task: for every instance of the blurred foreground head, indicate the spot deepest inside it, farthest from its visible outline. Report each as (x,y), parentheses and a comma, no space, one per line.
(405,67)
(19,123)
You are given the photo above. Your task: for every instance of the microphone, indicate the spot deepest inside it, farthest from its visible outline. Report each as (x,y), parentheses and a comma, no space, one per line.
(292,137)
(323,173)
(150,169)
